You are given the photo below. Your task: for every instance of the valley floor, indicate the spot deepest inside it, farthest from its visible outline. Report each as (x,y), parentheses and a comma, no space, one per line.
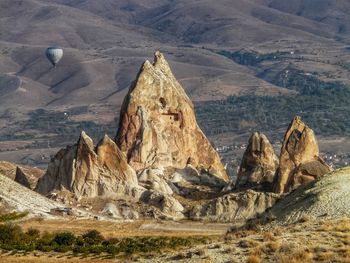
(121,229)
(305,241)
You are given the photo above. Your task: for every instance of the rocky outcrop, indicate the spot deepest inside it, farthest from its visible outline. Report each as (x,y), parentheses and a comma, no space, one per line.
(299,160)
(23,174)
(23,179)
(152,179)
(259,164)
(234,207)
(158,128)
(325,198)
(168,205)
(88,171)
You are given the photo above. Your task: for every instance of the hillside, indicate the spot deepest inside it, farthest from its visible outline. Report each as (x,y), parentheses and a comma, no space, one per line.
(217,50)
(326,198)
(19,198)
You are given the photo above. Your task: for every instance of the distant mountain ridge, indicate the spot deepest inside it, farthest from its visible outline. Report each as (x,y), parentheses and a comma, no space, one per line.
(111,34)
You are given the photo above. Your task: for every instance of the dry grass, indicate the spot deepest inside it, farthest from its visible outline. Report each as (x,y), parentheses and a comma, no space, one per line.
(309,241)
(296,243)
(300,256)
(247,243)
(343,225)
(278,232)
(109,229)
(257,251)
(271,247)
(253,259)
(268,236)
(326,256)
(244,233)
(52,259)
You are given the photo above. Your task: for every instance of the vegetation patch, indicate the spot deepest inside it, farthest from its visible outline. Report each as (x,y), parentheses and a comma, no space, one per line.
(12,216)
(322,104)
(13,238)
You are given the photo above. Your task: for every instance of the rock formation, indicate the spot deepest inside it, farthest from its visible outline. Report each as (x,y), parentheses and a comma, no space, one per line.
(152,179)
(23,174)
(89,172)
(259,164)
(158,128)
(234,207)
(23,179)
(299,160)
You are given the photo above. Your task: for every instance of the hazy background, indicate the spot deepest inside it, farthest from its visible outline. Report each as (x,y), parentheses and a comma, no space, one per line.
(247,65)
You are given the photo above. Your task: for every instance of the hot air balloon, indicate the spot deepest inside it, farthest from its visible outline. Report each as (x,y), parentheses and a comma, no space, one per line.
(54,55)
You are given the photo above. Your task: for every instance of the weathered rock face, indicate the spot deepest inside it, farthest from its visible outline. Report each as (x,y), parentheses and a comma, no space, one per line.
(23,174)
(299,159)
(89,172)
(167,204)
(24,180)
(158,128)
(152,179)
(235,207)
(259,164)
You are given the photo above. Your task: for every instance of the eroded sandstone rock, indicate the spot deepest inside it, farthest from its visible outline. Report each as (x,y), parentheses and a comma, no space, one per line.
(23,179)
(234,207)
(90,172)
(299,159)
(169,206)
(259,164)
(153,179)
(158,128)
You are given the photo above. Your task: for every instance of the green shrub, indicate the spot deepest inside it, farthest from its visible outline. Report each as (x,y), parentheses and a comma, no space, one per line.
(64,239)
(13,238)
(12,216)
(80,249)
(97,249)
(93,237)
(10,234)
(62,248)
(32,235)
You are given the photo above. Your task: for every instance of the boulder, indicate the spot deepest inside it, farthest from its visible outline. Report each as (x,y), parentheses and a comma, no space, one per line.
(259,164)
(111,210)
(153,179)
(299,160)
(158,127)
(167,204)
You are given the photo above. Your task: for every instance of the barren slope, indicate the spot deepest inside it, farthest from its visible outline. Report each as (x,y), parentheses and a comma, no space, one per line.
(21,198)
(326,198)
